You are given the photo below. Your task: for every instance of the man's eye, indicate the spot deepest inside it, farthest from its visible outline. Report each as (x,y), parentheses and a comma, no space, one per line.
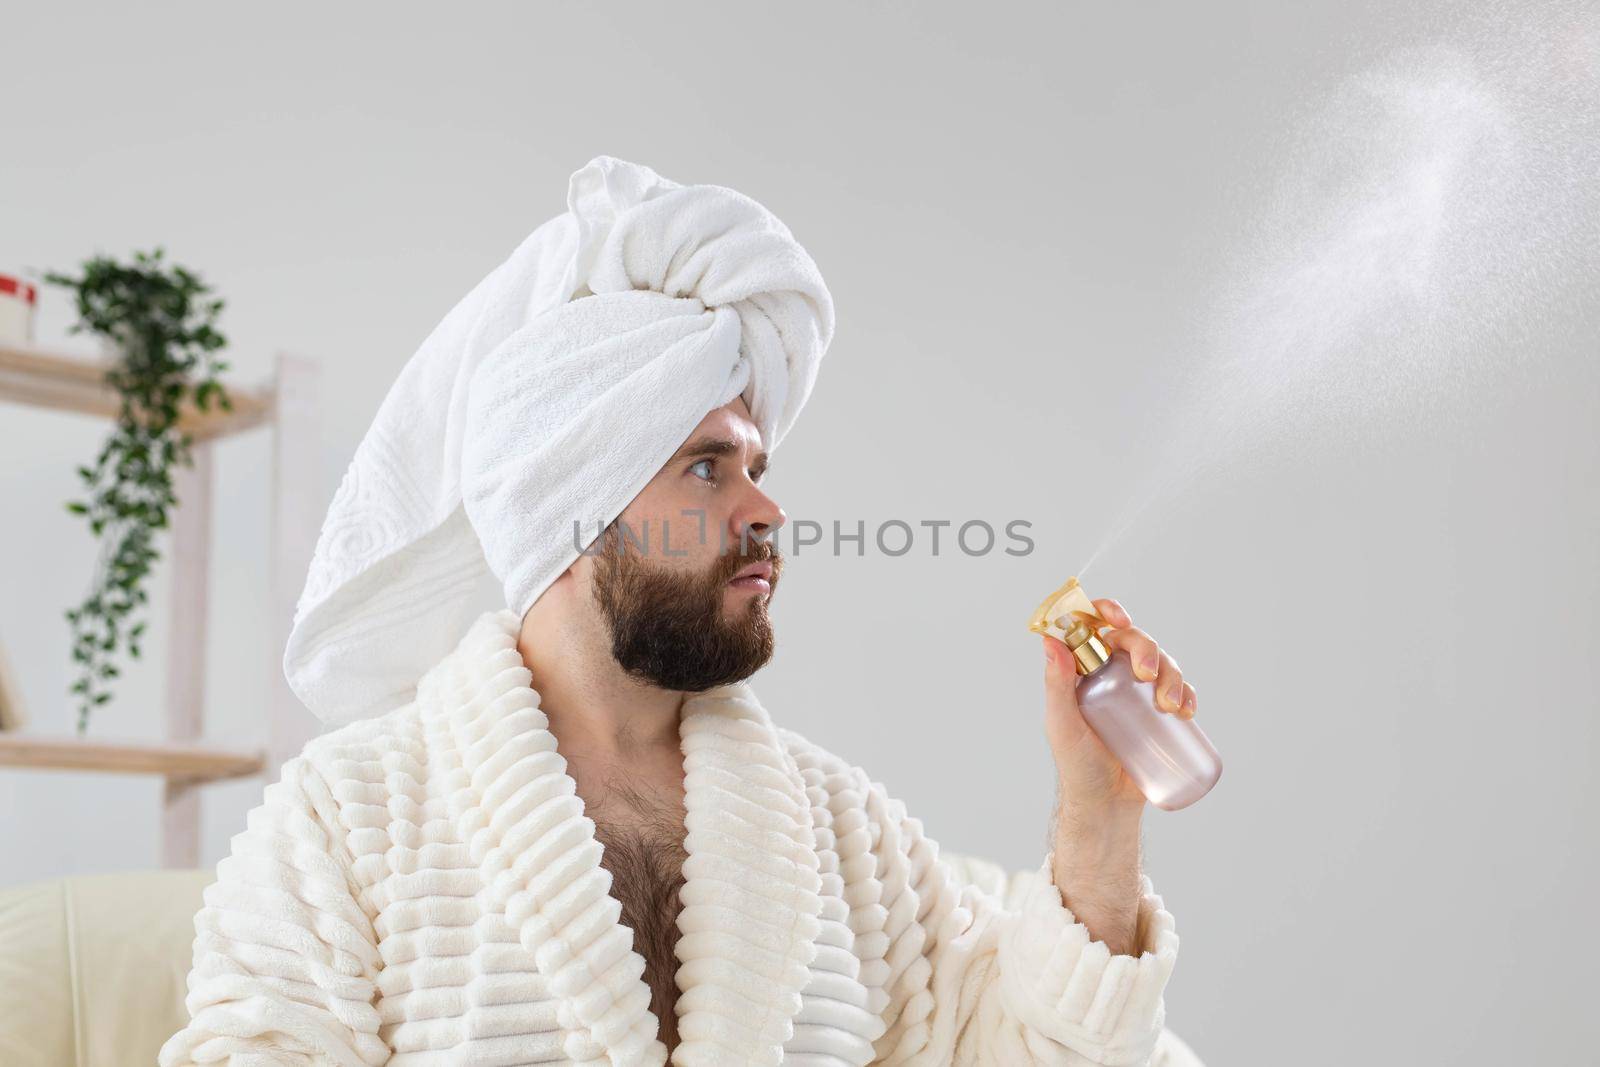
(703,463)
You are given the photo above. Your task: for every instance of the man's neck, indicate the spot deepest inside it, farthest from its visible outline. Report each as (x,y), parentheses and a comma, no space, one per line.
(599,714)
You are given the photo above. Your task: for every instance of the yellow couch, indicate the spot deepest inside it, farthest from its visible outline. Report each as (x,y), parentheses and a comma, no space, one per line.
(92,967)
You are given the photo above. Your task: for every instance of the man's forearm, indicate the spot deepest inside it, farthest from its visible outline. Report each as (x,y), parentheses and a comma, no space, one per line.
(1096,864)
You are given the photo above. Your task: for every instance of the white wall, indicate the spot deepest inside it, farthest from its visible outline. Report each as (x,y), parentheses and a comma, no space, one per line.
(1023,212)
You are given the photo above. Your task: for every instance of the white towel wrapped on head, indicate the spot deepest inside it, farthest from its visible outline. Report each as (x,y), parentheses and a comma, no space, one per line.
(549,396)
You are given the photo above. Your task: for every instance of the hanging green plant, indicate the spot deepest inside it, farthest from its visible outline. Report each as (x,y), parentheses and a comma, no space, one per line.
(159,325)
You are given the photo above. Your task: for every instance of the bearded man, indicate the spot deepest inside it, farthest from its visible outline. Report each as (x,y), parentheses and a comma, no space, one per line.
(565,830)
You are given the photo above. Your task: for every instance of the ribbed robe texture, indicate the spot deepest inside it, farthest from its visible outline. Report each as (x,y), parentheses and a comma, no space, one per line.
(424,888)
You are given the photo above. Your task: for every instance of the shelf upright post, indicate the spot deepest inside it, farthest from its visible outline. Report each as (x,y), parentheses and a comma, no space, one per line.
(186,654)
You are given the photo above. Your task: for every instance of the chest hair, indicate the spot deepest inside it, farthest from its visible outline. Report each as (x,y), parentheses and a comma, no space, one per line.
(642,835)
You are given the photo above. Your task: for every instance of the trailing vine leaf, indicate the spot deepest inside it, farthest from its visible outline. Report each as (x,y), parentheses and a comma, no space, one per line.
(160,323)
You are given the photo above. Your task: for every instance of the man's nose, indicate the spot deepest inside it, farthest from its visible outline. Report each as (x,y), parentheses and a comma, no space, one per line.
(760,519)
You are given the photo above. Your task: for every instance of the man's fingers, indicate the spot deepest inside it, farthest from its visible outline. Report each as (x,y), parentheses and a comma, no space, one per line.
(1141,649)
(1169,686)
(1113,612)
(1150,664)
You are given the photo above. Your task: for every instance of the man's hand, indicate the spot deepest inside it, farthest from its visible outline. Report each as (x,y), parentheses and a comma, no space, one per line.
(1096,859)
(1091,779)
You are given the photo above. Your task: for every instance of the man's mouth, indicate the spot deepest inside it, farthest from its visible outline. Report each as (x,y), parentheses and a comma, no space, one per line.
(757,577)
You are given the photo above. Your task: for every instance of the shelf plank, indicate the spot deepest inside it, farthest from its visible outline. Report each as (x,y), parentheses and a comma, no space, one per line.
(42,378)
(188,763)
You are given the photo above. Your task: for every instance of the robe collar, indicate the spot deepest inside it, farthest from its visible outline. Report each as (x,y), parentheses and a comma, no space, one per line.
(752,889)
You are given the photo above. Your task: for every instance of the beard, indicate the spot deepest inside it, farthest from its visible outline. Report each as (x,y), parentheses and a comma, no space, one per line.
(670,628)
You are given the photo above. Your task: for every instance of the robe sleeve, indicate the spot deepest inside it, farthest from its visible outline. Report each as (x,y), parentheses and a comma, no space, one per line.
(285,958)
(989,967)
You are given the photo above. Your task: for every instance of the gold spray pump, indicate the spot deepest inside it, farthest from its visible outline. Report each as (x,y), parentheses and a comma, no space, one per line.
(1068,615)
(1171,760)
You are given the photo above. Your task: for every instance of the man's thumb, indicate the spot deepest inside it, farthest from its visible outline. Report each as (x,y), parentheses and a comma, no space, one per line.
(1060,681)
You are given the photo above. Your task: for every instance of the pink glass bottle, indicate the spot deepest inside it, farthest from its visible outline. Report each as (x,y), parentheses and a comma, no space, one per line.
(1170,759)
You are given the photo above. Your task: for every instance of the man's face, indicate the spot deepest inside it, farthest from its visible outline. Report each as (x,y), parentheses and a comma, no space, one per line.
(666,576)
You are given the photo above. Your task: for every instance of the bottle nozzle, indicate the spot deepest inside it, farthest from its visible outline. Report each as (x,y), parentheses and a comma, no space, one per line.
(1087,648)
(1069,616)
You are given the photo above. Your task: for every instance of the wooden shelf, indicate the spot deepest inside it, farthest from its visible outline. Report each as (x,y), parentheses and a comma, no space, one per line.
(288,404)
(186,763)
(42,378)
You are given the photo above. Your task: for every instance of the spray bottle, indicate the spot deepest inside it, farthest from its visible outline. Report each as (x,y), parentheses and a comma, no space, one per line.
(1170,759)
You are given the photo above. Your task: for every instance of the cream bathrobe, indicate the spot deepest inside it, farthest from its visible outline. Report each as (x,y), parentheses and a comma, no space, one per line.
(423,887)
